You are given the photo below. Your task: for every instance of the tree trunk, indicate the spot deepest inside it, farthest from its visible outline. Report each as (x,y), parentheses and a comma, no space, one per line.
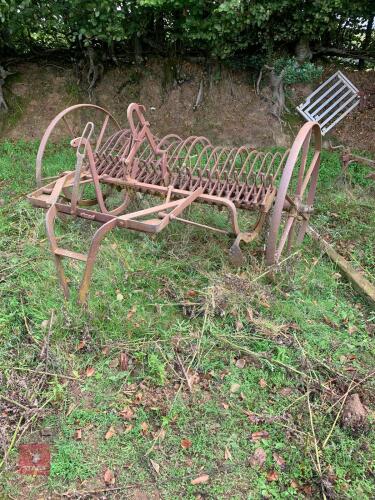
(3,74)
(303,51)
(278,94)
(366,41)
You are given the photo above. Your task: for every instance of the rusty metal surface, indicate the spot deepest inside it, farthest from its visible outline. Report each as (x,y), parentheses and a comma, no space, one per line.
(181,172)
(348,158)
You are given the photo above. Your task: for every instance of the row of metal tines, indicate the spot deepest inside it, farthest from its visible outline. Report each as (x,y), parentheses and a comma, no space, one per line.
(242,174)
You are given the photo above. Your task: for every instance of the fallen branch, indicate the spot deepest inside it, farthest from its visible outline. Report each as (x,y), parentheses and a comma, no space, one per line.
(13,440)
(45,347)
(353,387)
(52,374)
(184,372)
(360,283)
(337,416)
(271,360)
(318,466)
(102,490)
(3,74)
(36,341)
(13,402)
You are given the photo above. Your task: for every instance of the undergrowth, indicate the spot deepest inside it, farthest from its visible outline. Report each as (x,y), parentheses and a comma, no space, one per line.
(182,367)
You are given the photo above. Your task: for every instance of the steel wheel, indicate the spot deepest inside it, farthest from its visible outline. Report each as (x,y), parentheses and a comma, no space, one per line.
(295,194)
(69,124)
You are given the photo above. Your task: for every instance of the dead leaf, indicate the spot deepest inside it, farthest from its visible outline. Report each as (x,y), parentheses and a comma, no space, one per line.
(285,391)
(155,465)
(279,460)
(105,351)
(239,325)
(185,443)
(120,297)
(90,371)
(240,363)
(131,312)
(114,363)
(109,477)
(78,434)
(144,428)
(234,388)
(307,489)
(201,479)
(258,435)
(262,383)
(250,315)
(272,476)
(81,345)
(227,454)
(138,398)
(127,413)
(110,433)
(128,429)
(44,324)
(191,293)
(123,361)
(258,458)
(225,406)
(294,484)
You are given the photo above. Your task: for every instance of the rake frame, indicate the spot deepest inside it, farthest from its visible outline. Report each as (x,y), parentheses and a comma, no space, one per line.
(182,172)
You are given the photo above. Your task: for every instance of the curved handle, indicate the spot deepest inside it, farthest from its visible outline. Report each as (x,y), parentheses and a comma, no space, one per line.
(137,109)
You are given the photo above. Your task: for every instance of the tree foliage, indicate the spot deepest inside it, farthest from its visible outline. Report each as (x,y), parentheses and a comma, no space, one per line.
(221,29)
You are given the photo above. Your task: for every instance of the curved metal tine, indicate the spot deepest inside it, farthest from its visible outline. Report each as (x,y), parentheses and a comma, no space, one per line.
(257,155)
(186,146)
(224,172)
(281,164)
(203,141)
(101,134)
(238,154)
(119,151)
(166,138)
(111,140)
(272,163)
(207,152)
(251,154)
(304,154)
(251,173)
(176,155)
(268,156)
(225,152)
(261,173)
(212,166)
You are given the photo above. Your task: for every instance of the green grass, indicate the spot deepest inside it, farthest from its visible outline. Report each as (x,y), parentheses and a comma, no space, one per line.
(305,316)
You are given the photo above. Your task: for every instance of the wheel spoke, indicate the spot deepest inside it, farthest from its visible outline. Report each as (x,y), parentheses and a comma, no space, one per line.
(70,129)
(288,226)
(314,161)
(101,134)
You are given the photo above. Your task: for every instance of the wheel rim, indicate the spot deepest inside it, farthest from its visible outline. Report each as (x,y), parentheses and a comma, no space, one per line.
(65,119)
(294,199)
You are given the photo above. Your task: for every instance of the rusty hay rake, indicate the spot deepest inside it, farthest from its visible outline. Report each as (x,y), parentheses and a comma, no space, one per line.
(280,187)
